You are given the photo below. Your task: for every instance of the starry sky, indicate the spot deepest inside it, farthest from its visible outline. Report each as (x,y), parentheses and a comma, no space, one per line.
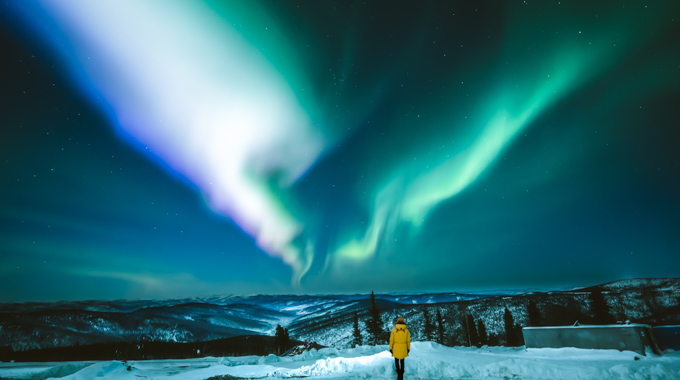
(155,149)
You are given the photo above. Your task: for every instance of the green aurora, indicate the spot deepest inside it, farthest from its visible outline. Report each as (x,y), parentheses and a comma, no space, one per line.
(433,146)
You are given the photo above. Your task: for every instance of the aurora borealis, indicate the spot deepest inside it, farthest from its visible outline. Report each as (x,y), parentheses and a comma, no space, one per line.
(172,149)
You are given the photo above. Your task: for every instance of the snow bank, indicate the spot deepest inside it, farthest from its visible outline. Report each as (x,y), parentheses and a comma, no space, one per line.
(427,361)
(40,370)
(109,370)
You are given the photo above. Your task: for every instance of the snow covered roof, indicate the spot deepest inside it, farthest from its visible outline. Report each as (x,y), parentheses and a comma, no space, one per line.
(587,326)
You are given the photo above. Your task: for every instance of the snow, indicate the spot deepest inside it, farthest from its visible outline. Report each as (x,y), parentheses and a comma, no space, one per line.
(427,361)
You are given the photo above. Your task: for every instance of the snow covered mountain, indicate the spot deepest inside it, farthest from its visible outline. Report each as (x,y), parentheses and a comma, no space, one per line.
(325,319)
(185,322)
(650,301)
(43,325)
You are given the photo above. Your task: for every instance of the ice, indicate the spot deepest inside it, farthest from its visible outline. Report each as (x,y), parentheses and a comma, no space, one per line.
(427,361)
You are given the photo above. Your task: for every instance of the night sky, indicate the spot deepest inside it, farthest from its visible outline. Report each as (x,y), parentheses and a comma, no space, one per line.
(162,149)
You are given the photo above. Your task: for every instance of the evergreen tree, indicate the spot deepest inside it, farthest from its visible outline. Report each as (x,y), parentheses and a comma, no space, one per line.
(428,328)
(518,335)
(286,340)
(599,308)
(279,338)
(493,340)
(440,327)
(471,327)
(649,298)
(464,327)
(481,331)
(374,324)
(534,314)
(511,329)
(356,333)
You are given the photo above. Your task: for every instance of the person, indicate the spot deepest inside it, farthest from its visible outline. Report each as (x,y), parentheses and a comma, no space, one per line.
(400,345)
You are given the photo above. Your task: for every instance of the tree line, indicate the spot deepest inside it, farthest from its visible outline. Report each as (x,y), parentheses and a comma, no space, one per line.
(434,329)
(469,331)
(472,331)
(243,345)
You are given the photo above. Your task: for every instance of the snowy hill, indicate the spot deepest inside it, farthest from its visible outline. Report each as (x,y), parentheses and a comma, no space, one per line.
(188,322)
(649,301)
(42,325)
(325,319)
(427,361)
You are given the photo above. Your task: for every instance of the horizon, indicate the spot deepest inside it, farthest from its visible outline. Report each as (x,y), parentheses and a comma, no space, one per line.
(490,292)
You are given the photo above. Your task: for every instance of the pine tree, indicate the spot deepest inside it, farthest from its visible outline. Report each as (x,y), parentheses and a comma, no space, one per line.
(374,324)
(286,340)
(649,298)
(510,329)
(481,331)
(428,329)
(440,327)
(279,339)
(465,339)
(471,327)
(356,333)
(518,335)
(600,309)
(534,314)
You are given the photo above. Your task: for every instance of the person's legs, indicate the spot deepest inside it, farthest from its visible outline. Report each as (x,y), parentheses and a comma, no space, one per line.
(400,372)
(396,364)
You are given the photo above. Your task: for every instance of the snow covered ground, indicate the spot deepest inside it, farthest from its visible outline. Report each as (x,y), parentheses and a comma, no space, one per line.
(427,361)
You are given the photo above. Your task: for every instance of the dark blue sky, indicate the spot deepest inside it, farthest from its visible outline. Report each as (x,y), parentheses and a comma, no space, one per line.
(330,147)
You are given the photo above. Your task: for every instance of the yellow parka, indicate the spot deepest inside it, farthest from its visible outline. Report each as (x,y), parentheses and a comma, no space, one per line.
(400,341)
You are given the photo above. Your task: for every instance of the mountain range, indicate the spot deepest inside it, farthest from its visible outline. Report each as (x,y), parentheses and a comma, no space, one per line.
(325,319)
